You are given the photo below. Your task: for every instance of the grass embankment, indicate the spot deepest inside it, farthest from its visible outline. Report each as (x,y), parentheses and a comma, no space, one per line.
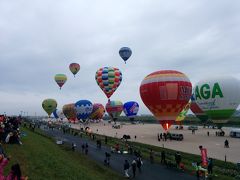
(40,159)
(222,170)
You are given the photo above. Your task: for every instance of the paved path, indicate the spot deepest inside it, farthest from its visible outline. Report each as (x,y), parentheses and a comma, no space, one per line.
(149,171)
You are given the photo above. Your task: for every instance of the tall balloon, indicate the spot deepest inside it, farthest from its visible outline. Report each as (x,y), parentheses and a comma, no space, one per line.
(182,115)
(97,112)
(60,79)
(166,93)
(218,97)
(197,110)
(125,53)
(131,109)
(114,109)
(74,68)
(108,79)
(70,112)
(83,109)
(49,105)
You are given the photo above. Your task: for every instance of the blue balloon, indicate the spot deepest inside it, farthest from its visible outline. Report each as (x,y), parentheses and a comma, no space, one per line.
(83,109)
(131,108)
(55,114)
(125,53)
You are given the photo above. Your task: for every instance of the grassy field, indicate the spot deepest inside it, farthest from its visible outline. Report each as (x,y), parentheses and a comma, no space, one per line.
(40,159)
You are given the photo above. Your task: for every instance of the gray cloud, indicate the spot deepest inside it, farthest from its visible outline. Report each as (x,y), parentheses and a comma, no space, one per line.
(41,38)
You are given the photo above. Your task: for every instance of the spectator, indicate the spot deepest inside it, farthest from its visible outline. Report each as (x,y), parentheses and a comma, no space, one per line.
(226,144)
(134,167)
(83,148)
(178,159)
(208,133)
(151,155)
(3,163)
(15,173)
(139,164)
(126,167)
(210,166)
(163,157)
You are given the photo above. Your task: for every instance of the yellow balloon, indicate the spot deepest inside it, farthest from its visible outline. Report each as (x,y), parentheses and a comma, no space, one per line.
(49,105)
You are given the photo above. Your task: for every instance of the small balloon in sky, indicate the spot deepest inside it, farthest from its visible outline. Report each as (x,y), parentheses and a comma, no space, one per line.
(125,53)
(74,68)
(60,79)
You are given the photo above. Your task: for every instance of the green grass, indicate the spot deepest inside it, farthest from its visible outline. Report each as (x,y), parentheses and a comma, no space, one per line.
(40,159)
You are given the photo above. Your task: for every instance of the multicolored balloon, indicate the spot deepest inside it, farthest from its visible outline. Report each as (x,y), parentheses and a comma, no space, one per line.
(114,109)
(218,97)
(198,111)
(49,105)
(60,79)
(74,68)
(83,109)
(166,93)
(131,109)
(182,115)
(125,53)
(70,112)
(97,112)
(108,79)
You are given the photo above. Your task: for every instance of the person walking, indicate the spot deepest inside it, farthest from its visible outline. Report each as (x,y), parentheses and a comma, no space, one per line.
(86,148)
(73,146)
(163,157)
(210,166)
(83,148)
(107,158)
(151,156)
(208,133)
(126,167)
(178,159)
(134,167)
(160,136)
(139,164)
(226,144)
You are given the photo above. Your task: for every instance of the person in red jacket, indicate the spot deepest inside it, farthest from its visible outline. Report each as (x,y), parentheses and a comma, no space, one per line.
(3,163)
(15,173)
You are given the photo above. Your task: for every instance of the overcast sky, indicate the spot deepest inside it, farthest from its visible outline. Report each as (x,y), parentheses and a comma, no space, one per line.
(41,38)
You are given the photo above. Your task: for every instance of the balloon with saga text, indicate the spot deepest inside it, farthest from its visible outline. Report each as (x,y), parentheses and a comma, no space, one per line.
(131,109)
(218,97)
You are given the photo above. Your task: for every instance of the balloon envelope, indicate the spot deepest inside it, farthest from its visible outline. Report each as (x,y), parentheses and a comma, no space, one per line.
(166,93)
(60,79)
(197,110)
(182,115)
(108,79)
(69,111)
(114,109)
(218,97)
(131,108)
(83,109)
(74,68)
(125,53)
(97,112)
(49,105)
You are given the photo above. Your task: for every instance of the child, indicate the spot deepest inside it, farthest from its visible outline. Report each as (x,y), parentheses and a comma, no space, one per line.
(3,163)
(15,173)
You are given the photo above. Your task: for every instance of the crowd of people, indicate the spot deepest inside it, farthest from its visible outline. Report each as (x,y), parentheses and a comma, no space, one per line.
(9,134)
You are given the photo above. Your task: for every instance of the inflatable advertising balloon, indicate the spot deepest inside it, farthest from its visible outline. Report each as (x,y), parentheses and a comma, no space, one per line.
(97,112)
(197,110)
(83,109)
(74,68)
(70,112)
(108,79)
(182,115)
(166,93)
(131,109)
(60,79)
(125,53)
(49,105)
(218,98)
(114,109)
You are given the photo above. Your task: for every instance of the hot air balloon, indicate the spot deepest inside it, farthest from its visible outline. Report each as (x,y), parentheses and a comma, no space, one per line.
(183,114)
(218,97)
(131,109)
(49,105)
(83,109)
(60,79)
(114,109)
(74,68)
(97,112)
(108,79)
(125,53)
(197,110)
(70,112)
(166,93)
(58,114)
(55,114)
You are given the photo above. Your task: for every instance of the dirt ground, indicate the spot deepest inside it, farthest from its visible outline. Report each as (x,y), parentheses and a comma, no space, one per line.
(147,133)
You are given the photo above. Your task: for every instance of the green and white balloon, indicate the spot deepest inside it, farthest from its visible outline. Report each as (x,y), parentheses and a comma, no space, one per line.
(218,97)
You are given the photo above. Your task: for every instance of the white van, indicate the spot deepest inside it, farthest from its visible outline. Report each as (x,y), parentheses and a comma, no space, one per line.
(235,133)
